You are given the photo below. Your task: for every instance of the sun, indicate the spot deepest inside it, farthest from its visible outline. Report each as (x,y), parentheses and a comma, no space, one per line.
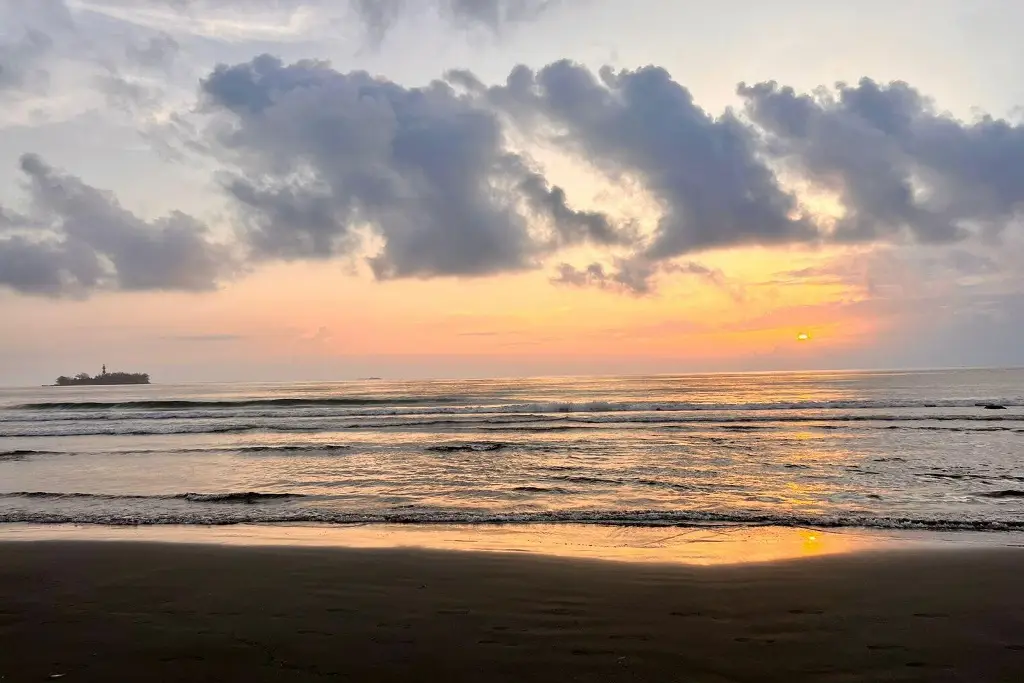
(803,336)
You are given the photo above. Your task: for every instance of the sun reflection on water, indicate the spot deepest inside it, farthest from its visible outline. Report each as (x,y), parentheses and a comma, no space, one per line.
(709,545)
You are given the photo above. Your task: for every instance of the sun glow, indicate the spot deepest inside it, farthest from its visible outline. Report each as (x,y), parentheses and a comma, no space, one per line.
(803,336)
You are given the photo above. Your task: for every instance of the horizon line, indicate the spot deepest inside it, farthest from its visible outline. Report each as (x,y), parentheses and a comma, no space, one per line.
(509,378)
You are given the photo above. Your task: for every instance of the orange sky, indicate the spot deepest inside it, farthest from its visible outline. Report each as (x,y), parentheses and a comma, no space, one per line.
(321,312)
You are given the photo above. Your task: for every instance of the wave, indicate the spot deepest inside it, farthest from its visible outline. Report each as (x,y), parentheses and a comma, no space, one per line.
(942,428)
(81,429)
(624,481)
(696,406)
(1008,493)
(237,497)
(21,454)
(231,497)
(530,423)
(810,418)
(254,514)
(303,448)
(282,449)
(339,401)
(481,447)
(462,404)
(540,489)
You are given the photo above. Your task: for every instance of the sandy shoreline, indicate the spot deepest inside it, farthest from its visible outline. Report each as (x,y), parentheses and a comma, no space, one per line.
(101,611)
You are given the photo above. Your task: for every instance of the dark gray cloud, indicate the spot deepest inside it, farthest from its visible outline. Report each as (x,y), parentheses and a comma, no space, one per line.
(322,164)
(903,169)
(705,170)
(324,157)
(77,239)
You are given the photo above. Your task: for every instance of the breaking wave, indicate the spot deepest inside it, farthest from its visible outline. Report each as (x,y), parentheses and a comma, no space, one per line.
(241,403)
(459,404)
(21,454)
(527,422)
(1008,493)
(468,447)
(232,497)
(80,429)
(238,510)
(319,448)
(300,448)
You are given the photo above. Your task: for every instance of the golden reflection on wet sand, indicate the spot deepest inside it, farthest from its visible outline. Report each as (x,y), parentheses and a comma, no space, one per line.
(712,545)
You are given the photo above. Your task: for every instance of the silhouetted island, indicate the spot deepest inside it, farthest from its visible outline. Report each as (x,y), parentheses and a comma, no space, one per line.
(103,379)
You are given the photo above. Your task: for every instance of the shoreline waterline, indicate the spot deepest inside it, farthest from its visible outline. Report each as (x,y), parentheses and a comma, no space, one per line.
(696,545)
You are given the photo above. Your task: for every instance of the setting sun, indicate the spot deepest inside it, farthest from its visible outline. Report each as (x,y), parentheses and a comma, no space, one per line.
(803,336)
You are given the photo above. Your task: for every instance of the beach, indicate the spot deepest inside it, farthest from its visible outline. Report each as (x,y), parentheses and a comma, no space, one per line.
(130,610)
(500,341)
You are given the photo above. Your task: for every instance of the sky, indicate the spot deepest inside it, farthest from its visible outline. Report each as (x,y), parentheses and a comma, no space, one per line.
(272,190)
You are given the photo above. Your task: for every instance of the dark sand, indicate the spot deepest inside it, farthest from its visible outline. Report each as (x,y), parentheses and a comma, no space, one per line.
(166,612)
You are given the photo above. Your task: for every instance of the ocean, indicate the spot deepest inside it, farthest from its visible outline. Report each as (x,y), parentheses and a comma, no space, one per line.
(834,449)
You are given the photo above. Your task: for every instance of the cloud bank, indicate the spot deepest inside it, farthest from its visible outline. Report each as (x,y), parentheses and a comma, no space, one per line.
(901,168)
(76,240)
(326,160)
(428,172)
(423,182)
(705,170)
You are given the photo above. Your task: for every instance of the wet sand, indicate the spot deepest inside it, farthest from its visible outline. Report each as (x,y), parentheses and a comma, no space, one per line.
(129,611)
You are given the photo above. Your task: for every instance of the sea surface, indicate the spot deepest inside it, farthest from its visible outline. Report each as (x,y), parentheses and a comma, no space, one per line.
(878,449)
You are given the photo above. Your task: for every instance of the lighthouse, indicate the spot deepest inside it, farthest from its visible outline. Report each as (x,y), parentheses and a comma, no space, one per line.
(104,368)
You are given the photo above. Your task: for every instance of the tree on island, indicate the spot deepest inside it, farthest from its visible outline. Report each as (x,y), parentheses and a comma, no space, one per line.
(105,378)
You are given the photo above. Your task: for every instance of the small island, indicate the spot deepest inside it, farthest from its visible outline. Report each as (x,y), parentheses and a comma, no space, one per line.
(103,379)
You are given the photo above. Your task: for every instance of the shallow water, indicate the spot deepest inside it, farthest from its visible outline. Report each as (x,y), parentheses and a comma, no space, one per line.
(892,450)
